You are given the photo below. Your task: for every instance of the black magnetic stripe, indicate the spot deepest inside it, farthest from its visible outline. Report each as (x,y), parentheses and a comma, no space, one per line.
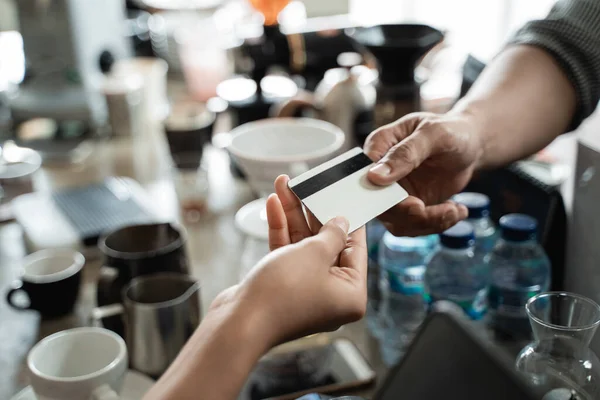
(331,176)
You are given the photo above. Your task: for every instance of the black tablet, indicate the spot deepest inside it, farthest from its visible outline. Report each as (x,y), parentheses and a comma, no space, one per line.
(449,361)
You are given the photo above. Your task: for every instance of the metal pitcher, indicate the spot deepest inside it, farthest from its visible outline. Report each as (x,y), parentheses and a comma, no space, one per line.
(160,314)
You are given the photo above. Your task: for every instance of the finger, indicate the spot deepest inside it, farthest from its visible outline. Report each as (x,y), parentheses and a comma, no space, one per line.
(380,141)
(330,241)
(278,228)
(292,207)
(314,224)
(355,254)
(402,159)
(413,218)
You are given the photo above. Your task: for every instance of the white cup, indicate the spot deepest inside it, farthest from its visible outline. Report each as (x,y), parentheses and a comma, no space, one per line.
(268,148)
(78,364)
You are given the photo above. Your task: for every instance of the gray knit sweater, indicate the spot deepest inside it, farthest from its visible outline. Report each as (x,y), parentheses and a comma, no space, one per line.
(571,34)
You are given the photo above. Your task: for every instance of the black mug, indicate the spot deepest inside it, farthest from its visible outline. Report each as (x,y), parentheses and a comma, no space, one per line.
(50,279)
(189,128)
(135,251)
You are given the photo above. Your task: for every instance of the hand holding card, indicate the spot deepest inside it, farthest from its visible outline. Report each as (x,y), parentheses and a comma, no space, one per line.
(340,187)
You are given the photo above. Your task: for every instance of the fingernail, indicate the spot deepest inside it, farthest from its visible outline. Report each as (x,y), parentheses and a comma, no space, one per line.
(381,169)
(342,223)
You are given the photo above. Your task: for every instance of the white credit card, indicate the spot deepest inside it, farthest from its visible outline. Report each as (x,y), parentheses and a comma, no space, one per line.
(340,187)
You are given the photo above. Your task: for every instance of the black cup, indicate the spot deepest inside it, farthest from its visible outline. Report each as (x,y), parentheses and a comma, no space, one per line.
(50,279)
(135,251)
(188,128)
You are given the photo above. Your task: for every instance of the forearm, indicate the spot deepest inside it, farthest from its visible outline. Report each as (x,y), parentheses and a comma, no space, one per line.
(520,103)
(218,358)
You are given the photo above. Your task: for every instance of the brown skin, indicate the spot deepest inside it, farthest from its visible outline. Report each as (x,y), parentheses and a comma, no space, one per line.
(520,103)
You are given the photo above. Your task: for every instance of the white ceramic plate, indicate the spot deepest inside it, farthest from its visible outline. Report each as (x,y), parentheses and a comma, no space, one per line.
(136,385)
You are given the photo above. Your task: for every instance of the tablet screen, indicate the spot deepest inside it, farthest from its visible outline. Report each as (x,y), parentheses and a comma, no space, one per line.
(445,362)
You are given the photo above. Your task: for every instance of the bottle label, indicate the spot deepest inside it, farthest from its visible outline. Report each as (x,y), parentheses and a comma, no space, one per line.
(478,307)
(474,308)
(511,303)
(407,281)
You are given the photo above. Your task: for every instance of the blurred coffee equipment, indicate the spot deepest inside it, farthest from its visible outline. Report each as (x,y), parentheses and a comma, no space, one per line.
(397,49)
(66,51)
(345,97)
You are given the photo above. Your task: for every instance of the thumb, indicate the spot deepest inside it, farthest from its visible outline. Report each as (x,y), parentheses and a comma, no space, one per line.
(402,159)
(331,239)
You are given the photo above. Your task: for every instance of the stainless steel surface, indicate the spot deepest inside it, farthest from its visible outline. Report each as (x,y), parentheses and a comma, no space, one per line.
(161,313)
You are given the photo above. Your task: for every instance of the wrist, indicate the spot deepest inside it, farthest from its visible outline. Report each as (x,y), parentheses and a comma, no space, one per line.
(474,123)
(246,322)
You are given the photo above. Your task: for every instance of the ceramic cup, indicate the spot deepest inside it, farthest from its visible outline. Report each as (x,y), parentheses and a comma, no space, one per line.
(267,148)
(188,128)
(18,165)
(78,364)
(51,279)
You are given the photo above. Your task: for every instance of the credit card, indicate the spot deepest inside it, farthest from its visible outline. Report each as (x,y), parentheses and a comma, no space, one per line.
(340,187)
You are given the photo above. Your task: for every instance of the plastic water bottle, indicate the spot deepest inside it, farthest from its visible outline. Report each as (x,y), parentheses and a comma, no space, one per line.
(479,217)
(455,274)
(402,261)
(375,231)
(520,270)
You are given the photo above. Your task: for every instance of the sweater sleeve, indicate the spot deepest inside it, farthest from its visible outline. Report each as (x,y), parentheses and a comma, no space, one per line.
(571,34)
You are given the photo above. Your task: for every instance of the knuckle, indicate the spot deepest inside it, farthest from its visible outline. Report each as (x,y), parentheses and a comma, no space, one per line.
(445,224)
(378,143)
(404,153)
(433,128)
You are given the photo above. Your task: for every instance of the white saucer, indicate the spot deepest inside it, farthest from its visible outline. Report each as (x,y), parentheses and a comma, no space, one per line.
(251,219)
(136,385)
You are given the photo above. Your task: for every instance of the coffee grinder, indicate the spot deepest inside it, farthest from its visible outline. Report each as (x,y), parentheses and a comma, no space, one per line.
(68,45)
(397,49)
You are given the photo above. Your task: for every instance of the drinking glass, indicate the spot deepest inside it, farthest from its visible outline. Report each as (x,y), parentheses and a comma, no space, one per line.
(560,361)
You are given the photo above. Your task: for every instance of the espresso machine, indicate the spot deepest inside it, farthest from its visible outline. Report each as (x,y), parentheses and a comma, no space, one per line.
(68,45)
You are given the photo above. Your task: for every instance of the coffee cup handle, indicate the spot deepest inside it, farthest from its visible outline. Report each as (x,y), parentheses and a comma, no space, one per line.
(107,276)
(104,392)
(100,313)
(291,107)
(9,297)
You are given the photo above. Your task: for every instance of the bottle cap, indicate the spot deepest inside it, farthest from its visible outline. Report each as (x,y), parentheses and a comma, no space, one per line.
(518,227)
(460,236)
(477,203)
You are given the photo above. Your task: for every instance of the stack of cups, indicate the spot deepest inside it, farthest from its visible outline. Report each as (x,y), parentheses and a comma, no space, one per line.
(188,129)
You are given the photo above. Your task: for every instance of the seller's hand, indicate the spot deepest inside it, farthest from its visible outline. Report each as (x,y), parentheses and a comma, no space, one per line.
(433,157)
(308,283)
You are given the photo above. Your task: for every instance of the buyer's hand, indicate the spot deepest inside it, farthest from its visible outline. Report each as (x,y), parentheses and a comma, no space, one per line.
(314,280)
(433,157)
